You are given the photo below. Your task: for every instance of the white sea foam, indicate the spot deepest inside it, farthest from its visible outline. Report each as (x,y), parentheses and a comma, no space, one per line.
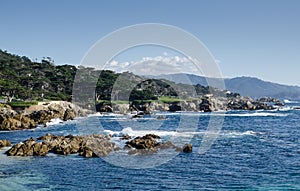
(95,115)
(285,108)
(134,133)
(236,133)
(54,122)
(289,101)
(256,114)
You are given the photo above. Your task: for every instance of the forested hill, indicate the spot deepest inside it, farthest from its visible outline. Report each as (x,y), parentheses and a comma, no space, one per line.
(22,78)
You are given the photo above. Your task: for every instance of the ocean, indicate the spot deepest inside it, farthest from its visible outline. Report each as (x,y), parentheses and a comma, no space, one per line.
(243,150)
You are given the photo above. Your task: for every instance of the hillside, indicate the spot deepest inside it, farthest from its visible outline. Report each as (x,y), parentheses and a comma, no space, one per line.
(23,79)
(246,86)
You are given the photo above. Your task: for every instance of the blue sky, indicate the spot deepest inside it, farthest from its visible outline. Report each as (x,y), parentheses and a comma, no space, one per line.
(258,38)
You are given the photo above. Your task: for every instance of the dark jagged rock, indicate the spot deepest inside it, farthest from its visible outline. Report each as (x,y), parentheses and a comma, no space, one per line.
(125,137)
(174,107)
(149,136)
(205,106)
(187,148)
(269,99)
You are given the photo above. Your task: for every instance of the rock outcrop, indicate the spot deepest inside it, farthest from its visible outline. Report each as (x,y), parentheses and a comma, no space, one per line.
(148,144)
(41,114)
(86,146)
(206,104)
(96,145)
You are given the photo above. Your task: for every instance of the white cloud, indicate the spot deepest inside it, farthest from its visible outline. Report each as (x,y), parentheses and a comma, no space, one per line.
(166,64)
(113,63)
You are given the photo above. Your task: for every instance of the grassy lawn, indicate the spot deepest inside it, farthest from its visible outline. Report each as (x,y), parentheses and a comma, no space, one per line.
(167,99)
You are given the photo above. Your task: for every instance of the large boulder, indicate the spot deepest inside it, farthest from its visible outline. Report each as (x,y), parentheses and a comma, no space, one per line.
(42,116)
(146,142)
(57,108)
(29,148)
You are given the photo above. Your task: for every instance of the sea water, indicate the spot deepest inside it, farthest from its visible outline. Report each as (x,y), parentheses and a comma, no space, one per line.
(253,150)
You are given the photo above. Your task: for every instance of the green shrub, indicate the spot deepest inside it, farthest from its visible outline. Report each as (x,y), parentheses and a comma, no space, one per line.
(23,104)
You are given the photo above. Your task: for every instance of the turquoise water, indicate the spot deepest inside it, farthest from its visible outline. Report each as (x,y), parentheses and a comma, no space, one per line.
(257,150)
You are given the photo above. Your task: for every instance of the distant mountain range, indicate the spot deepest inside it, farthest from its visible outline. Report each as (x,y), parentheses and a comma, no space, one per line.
(246,86)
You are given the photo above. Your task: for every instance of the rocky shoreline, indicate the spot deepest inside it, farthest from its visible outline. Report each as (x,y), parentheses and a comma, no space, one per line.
(206,104)
(44,112)
(41,114)
(96,145)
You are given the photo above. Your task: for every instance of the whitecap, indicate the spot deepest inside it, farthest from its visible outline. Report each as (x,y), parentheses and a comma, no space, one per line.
(98,114)
(236,133)
(258,114)
(134,133)
(289,101)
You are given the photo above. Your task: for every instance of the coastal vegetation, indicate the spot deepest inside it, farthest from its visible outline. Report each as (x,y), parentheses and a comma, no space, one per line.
(21,78)
(24,82)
